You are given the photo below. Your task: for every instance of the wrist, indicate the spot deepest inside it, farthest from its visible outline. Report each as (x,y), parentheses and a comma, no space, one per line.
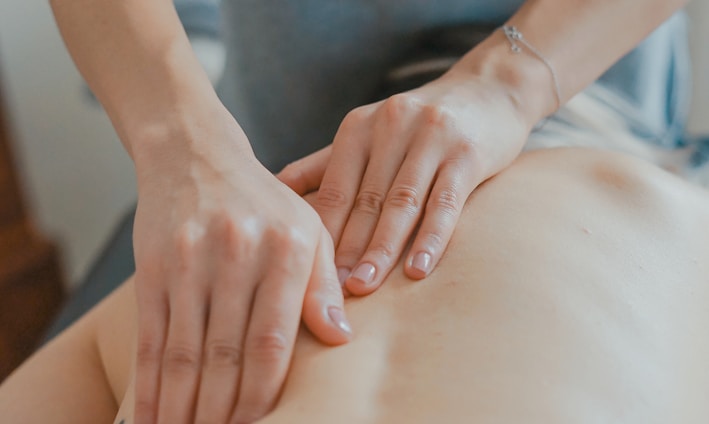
(185,143)
(526,80)
(169,95)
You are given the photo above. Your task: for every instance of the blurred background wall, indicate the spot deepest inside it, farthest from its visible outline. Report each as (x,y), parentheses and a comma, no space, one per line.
(77,176)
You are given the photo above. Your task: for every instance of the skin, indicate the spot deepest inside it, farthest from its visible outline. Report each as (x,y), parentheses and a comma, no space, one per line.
(513,326)
(215,232)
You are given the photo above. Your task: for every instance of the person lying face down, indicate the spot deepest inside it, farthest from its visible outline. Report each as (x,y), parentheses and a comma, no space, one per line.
(574,290)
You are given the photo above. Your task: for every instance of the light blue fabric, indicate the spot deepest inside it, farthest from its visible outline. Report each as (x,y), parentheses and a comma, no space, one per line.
(655,78)
(199,17)
(296,67)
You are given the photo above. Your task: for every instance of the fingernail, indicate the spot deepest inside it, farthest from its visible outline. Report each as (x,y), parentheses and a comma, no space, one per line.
(342,274)
(337,316)
(365,273)
(422,262)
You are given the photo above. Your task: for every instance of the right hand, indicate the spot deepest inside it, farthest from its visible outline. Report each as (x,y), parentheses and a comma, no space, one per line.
(227,258)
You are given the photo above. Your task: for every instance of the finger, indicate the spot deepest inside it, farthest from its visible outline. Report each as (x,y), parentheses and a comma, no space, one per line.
(272,329)
(304,175)
(323,306)
(152,331)
(402,210)
(223,347)
(182,358)
(391,139)
(350,153)
(441,215)
(363,219)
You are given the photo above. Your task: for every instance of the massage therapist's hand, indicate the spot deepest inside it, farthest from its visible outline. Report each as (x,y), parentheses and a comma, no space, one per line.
(227,258)
(410,160)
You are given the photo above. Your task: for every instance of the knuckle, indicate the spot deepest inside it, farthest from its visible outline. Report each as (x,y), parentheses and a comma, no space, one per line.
(260,401)
(148,353)
(467,152)
(354,118)
(223,354)
(436,115)
(432,240)
(325,294)
(293,239)
(445,201)
(369,201)
(383,249)
(269,346)
(239,238)
(181,359)
(184,243)
(289,241)
(230,236)
(330,197)
(396,106)
(348,254)
(187,238)
(404,197)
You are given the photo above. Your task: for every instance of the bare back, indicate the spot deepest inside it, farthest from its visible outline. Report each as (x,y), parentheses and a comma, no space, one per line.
(557,301)
(574,290)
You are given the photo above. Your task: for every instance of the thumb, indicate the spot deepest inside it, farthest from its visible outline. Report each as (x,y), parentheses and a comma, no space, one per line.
(305,175)
(323,306)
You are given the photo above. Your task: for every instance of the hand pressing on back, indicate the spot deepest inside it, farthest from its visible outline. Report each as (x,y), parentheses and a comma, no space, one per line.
(400,170)
(228,260)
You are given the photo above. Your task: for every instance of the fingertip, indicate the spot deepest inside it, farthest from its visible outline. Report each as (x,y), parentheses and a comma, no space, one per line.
(414,274)
(419,265)
(338,318)
(328,323)
(324,315)
(363,280)
(323,306)
(326,319)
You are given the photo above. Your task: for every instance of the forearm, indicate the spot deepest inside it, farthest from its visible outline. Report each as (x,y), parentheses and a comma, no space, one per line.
(579,38)
(137,59)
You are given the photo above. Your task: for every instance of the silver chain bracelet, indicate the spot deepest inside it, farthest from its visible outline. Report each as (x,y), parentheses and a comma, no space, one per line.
(514,36)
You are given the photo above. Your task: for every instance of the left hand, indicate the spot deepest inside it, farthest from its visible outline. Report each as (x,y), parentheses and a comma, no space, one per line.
(411,159)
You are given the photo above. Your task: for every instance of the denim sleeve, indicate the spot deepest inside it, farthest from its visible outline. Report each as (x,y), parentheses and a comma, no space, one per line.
(200,17)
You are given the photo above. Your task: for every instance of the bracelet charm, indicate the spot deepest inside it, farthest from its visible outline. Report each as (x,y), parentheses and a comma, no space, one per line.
(517,41)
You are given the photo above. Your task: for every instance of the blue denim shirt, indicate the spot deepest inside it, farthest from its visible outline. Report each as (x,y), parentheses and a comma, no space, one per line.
(296,67)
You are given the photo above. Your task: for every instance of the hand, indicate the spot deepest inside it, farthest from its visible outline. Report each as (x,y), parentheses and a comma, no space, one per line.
(227,258)
(412,159)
